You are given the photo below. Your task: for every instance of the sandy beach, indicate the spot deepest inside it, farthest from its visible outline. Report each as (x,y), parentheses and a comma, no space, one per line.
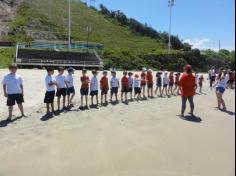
(142,139)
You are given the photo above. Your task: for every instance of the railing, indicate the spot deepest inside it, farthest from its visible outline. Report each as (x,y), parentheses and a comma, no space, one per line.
(56,62)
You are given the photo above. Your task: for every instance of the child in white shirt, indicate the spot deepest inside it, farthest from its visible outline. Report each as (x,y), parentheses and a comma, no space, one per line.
(13,90)
(71,88)
(137,87)
(94,87)
(61,88)
(50,82)
(115,85)
(131,84)
(165,83)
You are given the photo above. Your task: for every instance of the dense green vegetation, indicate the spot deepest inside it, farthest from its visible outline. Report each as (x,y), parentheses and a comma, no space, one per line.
(128,43)
(6,56)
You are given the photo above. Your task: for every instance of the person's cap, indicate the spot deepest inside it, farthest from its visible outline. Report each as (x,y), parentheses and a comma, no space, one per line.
(188,67)
(144,69)
(13,66)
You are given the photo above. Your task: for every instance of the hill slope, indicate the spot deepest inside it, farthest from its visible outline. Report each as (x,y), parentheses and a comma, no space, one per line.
(43,19)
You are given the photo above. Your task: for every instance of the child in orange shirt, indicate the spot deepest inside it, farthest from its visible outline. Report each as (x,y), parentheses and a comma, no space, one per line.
(177,79)
(150,83)
(104,85)
(143,82)
(200,82)
(171,83)
(84,89)
(125,87)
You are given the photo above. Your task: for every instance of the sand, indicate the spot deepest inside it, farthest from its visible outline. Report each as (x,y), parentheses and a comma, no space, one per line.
(141,139)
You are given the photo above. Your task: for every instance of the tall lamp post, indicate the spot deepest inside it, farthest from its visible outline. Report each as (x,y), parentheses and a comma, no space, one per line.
(69,25)
(170,5)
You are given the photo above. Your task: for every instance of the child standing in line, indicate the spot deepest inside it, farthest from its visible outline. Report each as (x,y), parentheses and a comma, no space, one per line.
(51,84)
(137,88)
(196,80)
(200,81)
(159,83)
(115,85)
(171,83)
(104,85)
(94,87)
(150,83)
(84,89)
(71,88)
(165,84)
(61,88)
(131,84)
(143,82)
(177,79)
(125,87)
(13,90)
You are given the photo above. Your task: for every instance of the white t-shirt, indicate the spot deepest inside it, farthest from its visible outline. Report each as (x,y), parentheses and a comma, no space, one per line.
(131,82)
(70,81)
(48,80)
(61,81)
(114,82)
(196,78)
(212,72)
(223,83)
(13,83)
(94,84)
(165,80)
(137,83)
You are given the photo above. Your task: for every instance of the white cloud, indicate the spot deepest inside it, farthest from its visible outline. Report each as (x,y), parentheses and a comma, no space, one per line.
(199,43)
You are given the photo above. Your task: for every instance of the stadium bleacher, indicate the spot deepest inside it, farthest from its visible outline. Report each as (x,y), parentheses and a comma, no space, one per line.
(44,58)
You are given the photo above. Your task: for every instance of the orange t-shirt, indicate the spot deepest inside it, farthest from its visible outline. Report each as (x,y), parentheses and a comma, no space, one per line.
(143,79)
(104,83)
(149,78)
(125,82)
(85,82)
(187,83)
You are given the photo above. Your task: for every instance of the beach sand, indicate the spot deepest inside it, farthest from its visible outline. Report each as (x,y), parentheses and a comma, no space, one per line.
(141,139)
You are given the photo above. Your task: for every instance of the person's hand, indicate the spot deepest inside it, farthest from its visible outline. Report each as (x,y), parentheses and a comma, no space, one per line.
(5,95)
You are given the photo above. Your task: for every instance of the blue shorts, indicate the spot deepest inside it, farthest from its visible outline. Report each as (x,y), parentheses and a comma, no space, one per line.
(70,90)
(84,91)
(220,89)
(114,90)
(137,90)
(93,93)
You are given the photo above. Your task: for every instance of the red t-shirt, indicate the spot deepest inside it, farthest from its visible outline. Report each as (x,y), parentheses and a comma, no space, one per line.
(187,83)
(149,78)
(85,82)
(104,83)
(143,79)
(125,82)
(171,78)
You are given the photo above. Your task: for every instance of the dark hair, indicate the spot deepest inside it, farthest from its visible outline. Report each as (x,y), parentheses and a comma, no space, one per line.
(61,68)
(49,69)
(189,71)
(13,66)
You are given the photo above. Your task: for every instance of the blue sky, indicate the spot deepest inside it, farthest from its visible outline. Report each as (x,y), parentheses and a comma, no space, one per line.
(200,22)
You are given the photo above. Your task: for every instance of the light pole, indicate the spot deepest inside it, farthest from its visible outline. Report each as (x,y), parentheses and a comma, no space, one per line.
(69,25)
(170,5)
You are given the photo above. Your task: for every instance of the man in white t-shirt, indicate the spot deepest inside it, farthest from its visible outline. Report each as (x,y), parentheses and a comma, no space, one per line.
(13,90)
(94,87)
(115,85)
(61,88)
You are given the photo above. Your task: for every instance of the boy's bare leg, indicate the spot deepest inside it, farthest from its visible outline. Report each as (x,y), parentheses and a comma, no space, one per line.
(48,108)
(58,103)
(117,97)
(97,99)
(102,99)
(86,99)
(52,106)
(106,98)
(68,100)
(82,101)
(64,102)
(20,106)
(92,100)
(71,99)
(10,109)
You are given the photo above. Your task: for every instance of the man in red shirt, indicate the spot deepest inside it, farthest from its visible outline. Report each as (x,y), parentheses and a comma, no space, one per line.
(187,86)
(125,87)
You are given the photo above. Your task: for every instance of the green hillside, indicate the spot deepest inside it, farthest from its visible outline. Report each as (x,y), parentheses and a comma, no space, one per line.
(51,17)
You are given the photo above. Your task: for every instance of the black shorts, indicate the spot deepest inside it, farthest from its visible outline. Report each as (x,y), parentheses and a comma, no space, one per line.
(104,91)
(130,90)
(171,84)
(137,90)
(12,99)
(165,85)
(61,92)
(93,93)
(84,91)
(150,86)
(49,97)
(159,84)
(70,90)
(114,90)
(125,90)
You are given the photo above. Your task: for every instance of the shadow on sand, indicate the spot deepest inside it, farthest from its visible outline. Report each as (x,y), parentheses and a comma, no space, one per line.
(191,118)
(228,112)
(4,123)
